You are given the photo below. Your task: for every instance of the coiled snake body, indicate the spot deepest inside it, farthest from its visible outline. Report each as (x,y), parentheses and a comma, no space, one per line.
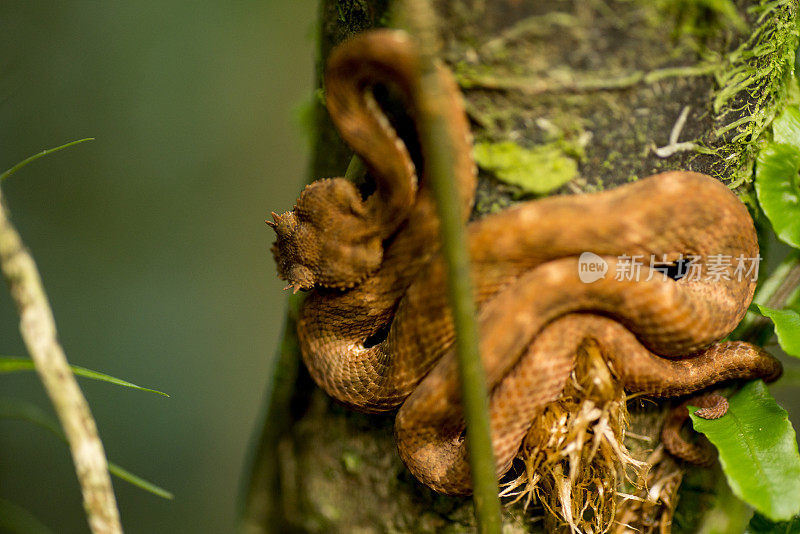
(376,332)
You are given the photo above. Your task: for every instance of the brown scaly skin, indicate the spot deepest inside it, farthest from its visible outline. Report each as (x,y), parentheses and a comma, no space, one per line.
(328,240)
(711,406)
(376,334)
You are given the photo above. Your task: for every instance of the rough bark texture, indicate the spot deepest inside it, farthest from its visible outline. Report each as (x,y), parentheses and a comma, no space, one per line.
(598,83)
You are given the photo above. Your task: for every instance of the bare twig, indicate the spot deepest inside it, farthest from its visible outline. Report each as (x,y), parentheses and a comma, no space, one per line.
(39,333)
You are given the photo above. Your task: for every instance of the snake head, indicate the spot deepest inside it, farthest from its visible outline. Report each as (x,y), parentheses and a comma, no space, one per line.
(328,239)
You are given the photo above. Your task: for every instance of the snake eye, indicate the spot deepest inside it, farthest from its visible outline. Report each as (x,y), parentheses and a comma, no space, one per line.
(675,269)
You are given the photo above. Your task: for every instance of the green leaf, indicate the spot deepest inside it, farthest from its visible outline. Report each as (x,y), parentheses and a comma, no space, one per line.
(139,482)
(757,451)
(25,411)
(41,154)
(786,128)
(777,187)
(538,170)
(17,520)
(761,525)
(787,328)
(10,364)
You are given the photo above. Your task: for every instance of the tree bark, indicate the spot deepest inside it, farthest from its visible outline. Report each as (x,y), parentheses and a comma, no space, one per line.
(601,83)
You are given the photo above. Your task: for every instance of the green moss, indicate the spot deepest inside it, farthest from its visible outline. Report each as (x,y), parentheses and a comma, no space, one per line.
(340,19)
(702,19)
(538,170)
(351,461)
(754,83)
(352,10)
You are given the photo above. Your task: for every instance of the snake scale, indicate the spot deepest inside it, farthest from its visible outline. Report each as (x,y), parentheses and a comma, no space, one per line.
(376,331)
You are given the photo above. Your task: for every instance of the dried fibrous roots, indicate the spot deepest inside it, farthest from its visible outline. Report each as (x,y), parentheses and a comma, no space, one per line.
(574,461)
(650,508)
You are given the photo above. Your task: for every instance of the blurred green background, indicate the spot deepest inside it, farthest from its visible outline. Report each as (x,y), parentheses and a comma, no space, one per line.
(151,240)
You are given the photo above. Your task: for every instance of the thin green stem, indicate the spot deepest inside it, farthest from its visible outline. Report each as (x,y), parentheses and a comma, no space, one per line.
(439,162)
(459,285)
(774,292)
(24,411)
(41,154)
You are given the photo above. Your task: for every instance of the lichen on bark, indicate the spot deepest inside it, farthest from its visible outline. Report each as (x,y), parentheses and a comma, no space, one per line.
(599,82)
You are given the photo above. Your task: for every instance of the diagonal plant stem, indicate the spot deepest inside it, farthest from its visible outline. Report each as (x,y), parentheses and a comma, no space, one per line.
(774,293)
(41,154)
(39,333)
(440,167)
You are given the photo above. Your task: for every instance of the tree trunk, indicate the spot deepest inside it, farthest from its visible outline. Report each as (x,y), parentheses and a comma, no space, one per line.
(593,87)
